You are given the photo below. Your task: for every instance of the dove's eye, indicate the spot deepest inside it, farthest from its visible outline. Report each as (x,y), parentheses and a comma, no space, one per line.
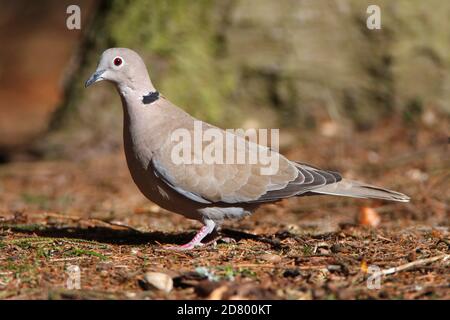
(117,61)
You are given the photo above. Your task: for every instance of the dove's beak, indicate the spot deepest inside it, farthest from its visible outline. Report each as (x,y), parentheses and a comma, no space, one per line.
(97,76)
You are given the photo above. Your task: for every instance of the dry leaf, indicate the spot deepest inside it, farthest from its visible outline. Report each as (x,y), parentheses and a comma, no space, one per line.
(364,268)
(329,129)
(369,217)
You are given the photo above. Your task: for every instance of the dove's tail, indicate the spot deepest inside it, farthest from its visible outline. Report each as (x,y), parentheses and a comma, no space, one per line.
(355,189)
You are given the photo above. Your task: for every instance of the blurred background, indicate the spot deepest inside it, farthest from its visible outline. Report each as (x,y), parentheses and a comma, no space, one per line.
(293,64)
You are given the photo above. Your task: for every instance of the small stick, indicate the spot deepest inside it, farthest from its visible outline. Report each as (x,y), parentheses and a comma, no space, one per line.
(118,224)
(80,219)
(67,259)
(254,265)
(410,265)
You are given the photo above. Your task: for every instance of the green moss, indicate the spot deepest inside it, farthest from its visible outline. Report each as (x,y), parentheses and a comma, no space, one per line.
(76,252)
(22,270)
(179,38)
(307,250)
(43,252)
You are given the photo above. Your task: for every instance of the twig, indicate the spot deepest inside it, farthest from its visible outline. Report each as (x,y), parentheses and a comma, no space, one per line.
(272,266)
(68,259)
(410,265)
(383,238)
(118,224)
(254,265)
(80,219)
(61,216)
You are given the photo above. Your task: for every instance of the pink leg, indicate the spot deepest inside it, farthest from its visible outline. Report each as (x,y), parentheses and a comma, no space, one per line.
(197,240)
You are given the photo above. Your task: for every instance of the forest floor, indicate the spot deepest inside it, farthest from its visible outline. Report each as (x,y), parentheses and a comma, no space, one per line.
(57,217)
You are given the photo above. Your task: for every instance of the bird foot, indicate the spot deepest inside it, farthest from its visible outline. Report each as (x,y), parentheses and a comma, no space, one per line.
(213,242)
(197,240)
(185,247)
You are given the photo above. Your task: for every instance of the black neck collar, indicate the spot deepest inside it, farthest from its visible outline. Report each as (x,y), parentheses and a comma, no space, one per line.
(150,97)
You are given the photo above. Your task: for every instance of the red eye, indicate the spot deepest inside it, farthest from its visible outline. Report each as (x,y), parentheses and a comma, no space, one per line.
(117,61)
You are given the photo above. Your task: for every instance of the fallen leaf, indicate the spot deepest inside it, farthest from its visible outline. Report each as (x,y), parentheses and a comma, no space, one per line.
(329,129)
(369,217)
(363,267)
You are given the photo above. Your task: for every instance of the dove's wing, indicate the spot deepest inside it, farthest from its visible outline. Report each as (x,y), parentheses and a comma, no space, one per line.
(236,183)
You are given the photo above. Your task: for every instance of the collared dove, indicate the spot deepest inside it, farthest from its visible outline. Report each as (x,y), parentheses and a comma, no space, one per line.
(207,192)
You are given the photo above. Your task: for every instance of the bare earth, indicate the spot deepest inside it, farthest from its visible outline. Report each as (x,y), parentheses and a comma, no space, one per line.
(88,213)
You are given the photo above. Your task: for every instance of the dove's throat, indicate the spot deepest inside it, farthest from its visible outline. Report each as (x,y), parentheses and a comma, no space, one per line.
(142,125)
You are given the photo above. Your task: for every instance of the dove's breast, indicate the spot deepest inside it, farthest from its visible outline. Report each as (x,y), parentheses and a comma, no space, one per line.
(139,147)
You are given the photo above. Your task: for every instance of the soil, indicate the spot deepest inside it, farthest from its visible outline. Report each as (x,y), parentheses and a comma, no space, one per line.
(55,215)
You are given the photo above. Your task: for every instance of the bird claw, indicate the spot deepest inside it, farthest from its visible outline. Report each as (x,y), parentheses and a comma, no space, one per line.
(196,241)
(191,246)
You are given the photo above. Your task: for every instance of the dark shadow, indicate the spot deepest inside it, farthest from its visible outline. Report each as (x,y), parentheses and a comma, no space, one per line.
(103,234)
(238,235)
(130,236)
(4,157)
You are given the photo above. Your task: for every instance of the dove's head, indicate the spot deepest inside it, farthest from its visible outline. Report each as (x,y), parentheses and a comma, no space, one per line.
(124,68)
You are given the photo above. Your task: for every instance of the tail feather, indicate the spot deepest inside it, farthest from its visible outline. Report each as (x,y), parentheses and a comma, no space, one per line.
(355,189)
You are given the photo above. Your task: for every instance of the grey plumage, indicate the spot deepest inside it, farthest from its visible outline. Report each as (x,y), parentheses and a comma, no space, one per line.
(206,192)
